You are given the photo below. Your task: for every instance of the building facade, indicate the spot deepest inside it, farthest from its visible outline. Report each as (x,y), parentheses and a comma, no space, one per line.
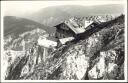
(63,31)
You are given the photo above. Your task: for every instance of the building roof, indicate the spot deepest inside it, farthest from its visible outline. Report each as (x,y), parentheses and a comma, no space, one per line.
(74,26)
(87,23)
(46,43)
(64,40)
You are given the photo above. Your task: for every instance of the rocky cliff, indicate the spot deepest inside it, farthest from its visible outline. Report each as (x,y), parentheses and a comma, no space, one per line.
(98,56)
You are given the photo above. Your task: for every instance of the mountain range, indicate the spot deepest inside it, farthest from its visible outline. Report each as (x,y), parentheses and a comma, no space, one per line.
(16,25)
(48,17)
(54,15)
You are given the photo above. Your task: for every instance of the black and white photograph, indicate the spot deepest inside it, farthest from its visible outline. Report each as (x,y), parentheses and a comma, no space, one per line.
(75,40)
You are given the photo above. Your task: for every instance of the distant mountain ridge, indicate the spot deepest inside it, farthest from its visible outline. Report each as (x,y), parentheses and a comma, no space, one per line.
(16,25)
(54,15)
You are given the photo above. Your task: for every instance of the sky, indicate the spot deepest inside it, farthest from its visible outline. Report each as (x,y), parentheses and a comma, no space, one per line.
(15,8)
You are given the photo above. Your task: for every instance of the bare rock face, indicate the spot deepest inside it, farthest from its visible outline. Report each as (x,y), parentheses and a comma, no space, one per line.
(10,61)
(98,70)
(75,65)
(19,64)
(106,67)
(14,69)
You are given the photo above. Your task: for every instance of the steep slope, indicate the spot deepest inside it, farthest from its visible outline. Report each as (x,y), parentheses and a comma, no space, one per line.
(98,56)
